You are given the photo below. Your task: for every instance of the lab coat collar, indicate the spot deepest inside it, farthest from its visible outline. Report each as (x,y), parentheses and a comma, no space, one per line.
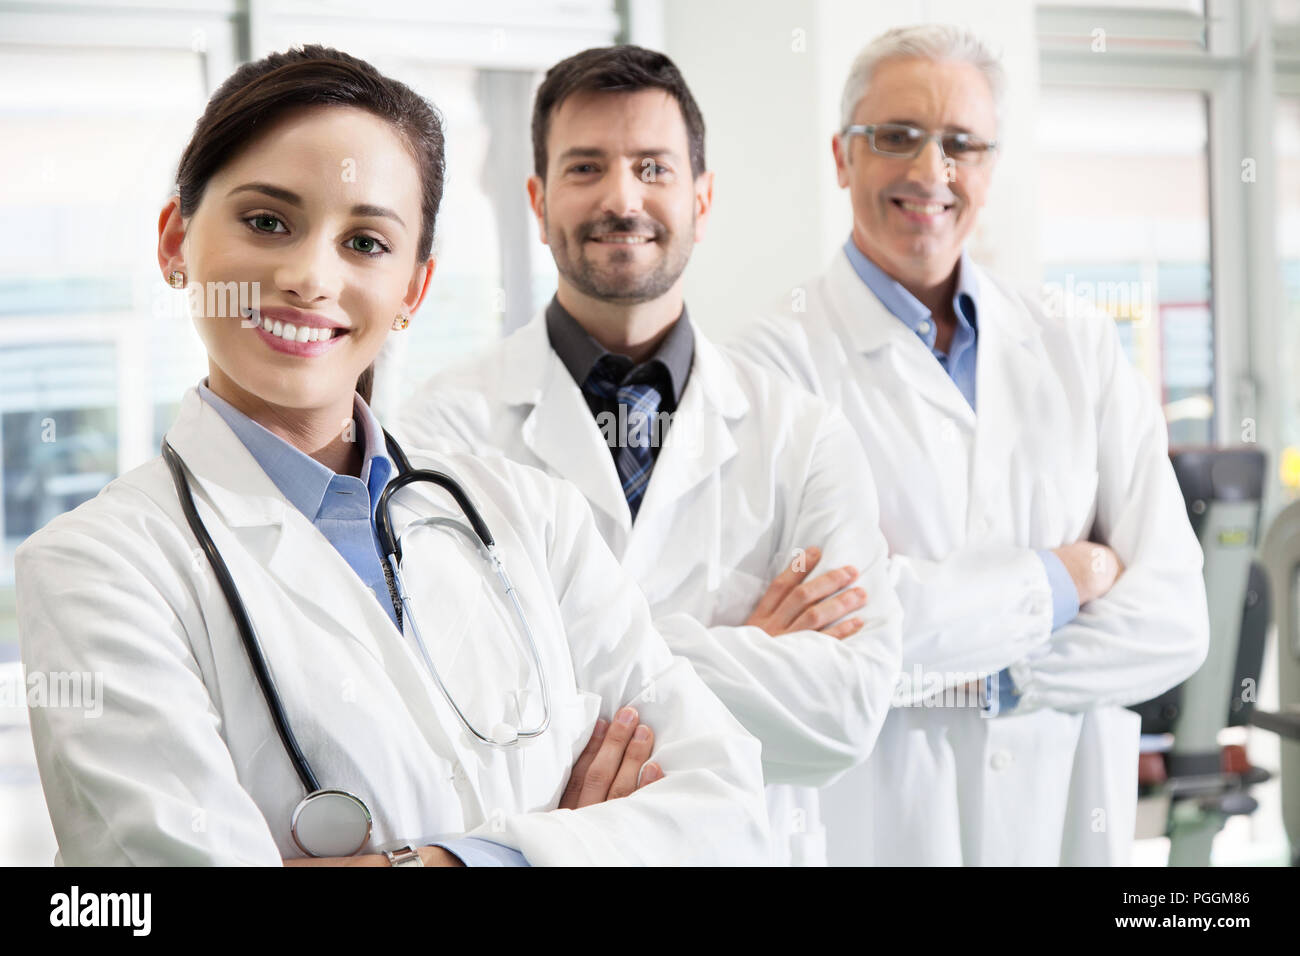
(225,475)
(1007,341)
(535,376)
(223,468)
(700,439)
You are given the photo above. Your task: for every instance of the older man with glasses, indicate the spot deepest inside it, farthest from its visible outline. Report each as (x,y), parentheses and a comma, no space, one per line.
(1039,544)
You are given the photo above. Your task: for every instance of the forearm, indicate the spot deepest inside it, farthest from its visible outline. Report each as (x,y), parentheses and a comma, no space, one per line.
(429,855)
(815,702)
(968,615)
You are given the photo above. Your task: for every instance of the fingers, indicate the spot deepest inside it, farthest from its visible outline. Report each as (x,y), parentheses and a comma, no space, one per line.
(637,753)
(799,609)
(782,584)
(649,774)
(604,767)
(573,789)
(844,628)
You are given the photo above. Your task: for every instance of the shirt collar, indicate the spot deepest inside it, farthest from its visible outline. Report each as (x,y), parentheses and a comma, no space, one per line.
(301,478)
(580,352)
(907,307)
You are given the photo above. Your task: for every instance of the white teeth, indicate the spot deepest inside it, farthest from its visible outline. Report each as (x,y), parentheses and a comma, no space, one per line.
(295,333)
(626,240)
(926,208)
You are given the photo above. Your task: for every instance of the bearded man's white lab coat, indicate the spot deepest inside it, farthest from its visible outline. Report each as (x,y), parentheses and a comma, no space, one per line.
(750,470)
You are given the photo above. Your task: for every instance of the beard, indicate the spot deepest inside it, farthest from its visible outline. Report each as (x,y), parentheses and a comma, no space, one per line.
(619,277)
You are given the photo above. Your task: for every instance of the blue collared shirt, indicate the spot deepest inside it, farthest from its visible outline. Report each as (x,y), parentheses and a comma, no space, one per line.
(959,363)
(342,508)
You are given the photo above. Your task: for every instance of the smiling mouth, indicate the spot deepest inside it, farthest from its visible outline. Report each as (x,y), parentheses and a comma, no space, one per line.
(921,208)
(622,240)
(297,333)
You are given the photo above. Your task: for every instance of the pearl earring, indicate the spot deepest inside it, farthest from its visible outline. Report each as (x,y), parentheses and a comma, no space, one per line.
(401,322)
(176,280)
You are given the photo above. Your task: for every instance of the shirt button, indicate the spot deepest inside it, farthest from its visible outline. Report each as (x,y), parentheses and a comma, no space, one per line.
(924,328)
(1000,760)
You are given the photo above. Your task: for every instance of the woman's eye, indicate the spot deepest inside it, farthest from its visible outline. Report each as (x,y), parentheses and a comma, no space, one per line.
(264,223)
(369,246)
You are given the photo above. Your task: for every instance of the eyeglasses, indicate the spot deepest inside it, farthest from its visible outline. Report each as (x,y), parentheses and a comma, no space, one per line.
(903,141)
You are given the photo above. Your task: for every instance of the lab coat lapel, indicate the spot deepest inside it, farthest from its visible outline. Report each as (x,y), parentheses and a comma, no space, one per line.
(558,426)
(1008,369)
(225,475)
(872,329)
(699,443)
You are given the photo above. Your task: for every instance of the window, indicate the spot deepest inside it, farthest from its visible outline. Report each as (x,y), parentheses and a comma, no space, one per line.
(1124,227)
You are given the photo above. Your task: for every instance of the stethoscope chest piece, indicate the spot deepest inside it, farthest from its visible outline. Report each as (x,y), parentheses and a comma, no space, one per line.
(331,823)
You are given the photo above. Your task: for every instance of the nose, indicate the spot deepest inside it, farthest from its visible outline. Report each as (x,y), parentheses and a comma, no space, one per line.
(309,270)
(623,193)
(929,168)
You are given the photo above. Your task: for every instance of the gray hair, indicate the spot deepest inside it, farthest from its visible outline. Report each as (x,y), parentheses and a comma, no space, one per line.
(930,41)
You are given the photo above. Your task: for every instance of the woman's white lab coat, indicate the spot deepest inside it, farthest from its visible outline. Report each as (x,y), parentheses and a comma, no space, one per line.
(751,469)
(1068,442)
(184,766)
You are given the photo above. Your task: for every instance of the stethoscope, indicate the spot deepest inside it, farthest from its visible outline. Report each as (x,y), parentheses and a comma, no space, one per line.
(335,822)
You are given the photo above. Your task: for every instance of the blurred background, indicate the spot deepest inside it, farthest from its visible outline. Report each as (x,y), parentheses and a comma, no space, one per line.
(1150,162)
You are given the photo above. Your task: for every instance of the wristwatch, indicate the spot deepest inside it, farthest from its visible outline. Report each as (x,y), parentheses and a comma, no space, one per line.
(404,856)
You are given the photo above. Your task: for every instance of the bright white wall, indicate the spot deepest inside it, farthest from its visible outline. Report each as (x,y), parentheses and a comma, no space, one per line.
(770,109)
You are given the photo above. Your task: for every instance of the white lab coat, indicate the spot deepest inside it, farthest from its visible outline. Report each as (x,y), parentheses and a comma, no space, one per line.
(1067,442)
(184,766)
(751,469)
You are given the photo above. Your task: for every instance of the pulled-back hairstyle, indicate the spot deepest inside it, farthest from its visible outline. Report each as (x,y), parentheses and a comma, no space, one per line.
(260,92)
(614,69)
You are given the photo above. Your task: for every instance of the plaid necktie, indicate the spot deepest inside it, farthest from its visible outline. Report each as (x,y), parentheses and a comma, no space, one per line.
(633,452)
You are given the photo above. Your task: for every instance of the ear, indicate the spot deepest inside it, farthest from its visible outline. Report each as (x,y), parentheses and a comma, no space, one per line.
(537,200)
(171,239)
(419,286)
(840,149)
(703,202)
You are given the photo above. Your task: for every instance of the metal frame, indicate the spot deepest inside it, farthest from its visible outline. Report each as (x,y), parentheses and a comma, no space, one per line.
(1235,73)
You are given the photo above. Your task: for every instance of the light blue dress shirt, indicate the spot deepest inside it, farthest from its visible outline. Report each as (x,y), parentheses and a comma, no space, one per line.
(959,363)
(342,508)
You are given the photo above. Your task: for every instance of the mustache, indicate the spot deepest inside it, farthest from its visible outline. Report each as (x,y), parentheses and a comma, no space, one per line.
(613,224)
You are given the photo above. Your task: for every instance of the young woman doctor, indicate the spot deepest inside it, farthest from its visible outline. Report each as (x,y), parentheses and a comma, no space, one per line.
(319,179)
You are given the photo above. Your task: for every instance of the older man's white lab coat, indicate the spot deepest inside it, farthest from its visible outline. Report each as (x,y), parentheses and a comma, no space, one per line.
(1068,443)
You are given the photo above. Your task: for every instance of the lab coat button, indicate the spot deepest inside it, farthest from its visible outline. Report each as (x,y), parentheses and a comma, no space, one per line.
(1000,760)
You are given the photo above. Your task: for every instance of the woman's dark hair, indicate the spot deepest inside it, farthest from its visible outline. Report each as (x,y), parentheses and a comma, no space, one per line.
(615,69)
(258,93)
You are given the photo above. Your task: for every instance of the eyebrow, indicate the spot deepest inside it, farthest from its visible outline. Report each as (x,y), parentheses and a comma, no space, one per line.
(285,195)
(593,152)
(954,128)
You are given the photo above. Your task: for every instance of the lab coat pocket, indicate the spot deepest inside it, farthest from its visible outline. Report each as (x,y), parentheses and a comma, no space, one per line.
(737,595)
